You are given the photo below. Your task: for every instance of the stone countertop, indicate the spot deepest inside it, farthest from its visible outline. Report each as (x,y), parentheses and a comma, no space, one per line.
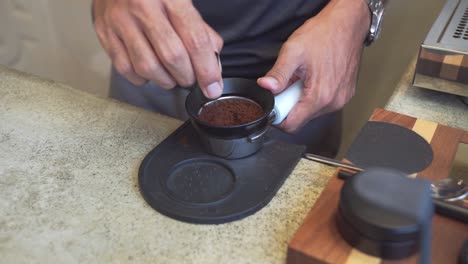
(68,181)
(442,108)
(69,193)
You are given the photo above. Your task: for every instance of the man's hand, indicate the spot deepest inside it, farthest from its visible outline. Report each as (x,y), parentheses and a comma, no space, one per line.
(325,53)
(164,41)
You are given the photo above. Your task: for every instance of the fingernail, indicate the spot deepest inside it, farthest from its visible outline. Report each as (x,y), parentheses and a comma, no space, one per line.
(271,82)
(214,90)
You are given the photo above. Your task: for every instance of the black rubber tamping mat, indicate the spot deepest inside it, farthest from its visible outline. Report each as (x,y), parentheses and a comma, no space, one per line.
(179,180)
(381,144)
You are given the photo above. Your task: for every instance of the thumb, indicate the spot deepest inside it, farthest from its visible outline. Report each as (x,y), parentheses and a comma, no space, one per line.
(278,78)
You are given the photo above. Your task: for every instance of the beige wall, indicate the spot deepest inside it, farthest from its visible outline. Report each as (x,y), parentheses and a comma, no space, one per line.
(405,26)
(53,39)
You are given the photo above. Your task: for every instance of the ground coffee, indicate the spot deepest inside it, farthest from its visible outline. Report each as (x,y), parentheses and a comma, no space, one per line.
(230,111)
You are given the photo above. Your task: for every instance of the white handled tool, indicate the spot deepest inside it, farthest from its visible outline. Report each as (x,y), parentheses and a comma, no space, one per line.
(286,100)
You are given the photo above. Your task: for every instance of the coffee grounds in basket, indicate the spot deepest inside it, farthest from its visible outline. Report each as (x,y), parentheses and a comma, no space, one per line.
(230,112)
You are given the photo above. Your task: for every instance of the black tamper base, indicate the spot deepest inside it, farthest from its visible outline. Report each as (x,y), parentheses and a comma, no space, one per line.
(385,214)
(181,181)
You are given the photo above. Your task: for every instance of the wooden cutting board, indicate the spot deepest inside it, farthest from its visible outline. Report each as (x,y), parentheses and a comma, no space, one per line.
(318,240)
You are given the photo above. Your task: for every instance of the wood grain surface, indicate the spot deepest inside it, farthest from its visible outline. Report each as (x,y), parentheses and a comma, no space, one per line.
(318,240)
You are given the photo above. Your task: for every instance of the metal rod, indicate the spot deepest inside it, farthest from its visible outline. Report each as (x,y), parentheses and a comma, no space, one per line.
(331,162)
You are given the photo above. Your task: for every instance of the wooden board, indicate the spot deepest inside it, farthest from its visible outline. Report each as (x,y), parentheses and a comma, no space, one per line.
(318,240)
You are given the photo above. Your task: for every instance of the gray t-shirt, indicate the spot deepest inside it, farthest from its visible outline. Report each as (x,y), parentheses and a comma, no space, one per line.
(254,30)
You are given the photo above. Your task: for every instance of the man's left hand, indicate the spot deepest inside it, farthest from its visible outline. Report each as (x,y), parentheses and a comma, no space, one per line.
(325,53)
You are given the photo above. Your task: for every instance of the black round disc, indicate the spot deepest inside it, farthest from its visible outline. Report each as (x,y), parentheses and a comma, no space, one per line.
(381,144)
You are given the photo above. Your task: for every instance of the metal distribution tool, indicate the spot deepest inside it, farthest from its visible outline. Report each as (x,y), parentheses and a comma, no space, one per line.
(449,189)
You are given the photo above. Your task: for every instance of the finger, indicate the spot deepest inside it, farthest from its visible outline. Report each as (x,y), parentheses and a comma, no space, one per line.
(193,32)
(142,56)
(299,118)
(119,56)
(278,78)
(116,52)
(296,119)
(306,109)
(168,47)
(216,40)
(317,100)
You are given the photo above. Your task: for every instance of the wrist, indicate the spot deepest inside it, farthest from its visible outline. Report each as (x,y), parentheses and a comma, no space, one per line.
(353,16)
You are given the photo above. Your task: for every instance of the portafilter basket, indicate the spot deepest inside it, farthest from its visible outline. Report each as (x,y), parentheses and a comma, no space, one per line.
(238,141)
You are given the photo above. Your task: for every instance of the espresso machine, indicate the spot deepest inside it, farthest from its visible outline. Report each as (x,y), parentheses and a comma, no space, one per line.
(442,63)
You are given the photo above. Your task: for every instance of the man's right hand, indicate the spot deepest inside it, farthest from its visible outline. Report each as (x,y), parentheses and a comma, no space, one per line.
(164,41)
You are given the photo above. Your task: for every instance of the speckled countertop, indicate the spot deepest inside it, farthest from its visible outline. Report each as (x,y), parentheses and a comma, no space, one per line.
(68,182)
(68,187)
